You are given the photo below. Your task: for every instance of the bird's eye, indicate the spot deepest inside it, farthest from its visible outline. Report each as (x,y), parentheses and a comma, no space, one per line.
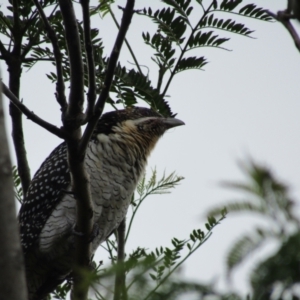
(140,127)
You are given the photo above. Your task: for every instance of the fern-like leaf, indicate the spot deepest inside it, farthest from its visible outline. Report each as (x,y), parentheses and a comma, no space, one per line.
(191,63)
(17,184)
(103,8)
(238,207)
(169,23)
(182,7)
(163,47)
(227,25)
(244,247)
(201,39)
(253,11)
(136,85)
(229,5)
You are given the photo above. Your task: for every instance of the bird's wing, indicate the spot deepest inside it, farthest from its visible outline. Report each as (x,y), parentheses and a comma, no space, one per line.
(46,190)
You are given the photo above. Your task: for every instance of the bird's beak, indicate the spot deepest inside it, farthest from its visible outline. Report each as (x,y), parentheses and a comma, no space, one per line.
(172,122)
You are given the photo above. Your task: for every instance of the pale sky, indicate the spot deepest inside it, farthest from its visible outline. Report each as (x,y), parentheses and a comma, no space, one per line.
(245,104)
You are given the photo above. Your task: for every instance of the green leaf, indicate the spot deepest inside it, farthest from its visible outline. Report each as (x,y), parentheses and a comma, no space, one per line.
(183,8)
(191,63)
(169,23)
(251,10)
(242,248)
(228,25)
(279,270)
(229,5)
(140,87)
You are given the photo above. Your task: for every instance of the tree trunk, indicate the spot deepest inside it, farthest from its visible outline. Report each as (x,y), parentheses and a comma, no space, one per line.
(12,275)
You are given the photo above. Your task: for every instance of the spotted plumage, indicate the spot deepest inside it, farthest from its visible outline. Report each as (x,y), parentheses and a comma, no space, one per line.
(115,159)
(45,191)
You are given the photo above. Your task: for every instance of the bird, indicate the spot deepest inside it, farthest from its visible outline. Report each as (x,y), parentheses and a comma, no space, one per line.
(115,160)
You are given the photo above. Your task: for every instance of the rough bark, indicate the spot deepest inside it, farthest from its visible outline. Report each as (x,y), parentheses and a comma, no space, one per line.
(12,276)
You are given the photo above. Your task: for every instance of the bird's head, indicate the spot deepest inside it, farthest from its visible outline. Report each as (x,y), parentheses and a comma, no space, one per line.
(138,127)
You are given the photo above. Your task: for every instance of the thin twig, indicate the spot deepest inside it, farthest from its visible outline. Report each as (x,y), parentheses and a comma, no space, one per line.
(60,86)
(285,20)
(126,42)
(91,94)
(31,116)
(114,56)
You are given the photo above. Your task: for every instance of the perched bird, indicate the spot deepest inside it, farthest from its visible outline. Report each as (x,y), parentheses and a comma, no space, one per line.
(115,159)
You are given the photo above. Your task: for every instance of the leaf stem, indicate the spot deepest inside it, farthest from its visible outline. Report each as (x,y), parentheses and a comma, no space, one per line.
(201,242)
(173,72)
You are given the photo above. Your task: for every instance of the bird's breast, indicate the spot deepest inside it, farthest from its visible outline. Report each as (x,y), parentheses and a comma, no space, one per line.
(114,175)
(114,172)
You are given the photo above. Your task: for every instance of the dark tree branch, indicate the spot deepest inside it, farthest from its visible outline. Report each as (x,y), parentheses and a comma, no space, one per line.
(18,138)
(80,183)
(12,271)
(14,68)
(17,30)
(31,116)
(114,56)
(84,220)
(29,59)
(91,95)
(60,86)
(120,287)
(284,18)
(73,118)
(3,51)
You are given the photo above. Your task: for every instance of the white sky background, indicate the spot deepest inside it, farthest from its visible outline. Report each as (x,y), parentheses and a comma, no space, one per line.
(245,104)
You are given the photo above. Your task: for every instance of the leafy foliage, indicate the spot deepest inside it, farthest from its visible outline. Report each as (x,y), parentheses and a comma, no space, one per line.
(276,277)
(130,85)
(149,274)
(154,269)
(202,39)
(176,35)
(267,197)
(279,273)
(251,10)
(17,184)
(227,25)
